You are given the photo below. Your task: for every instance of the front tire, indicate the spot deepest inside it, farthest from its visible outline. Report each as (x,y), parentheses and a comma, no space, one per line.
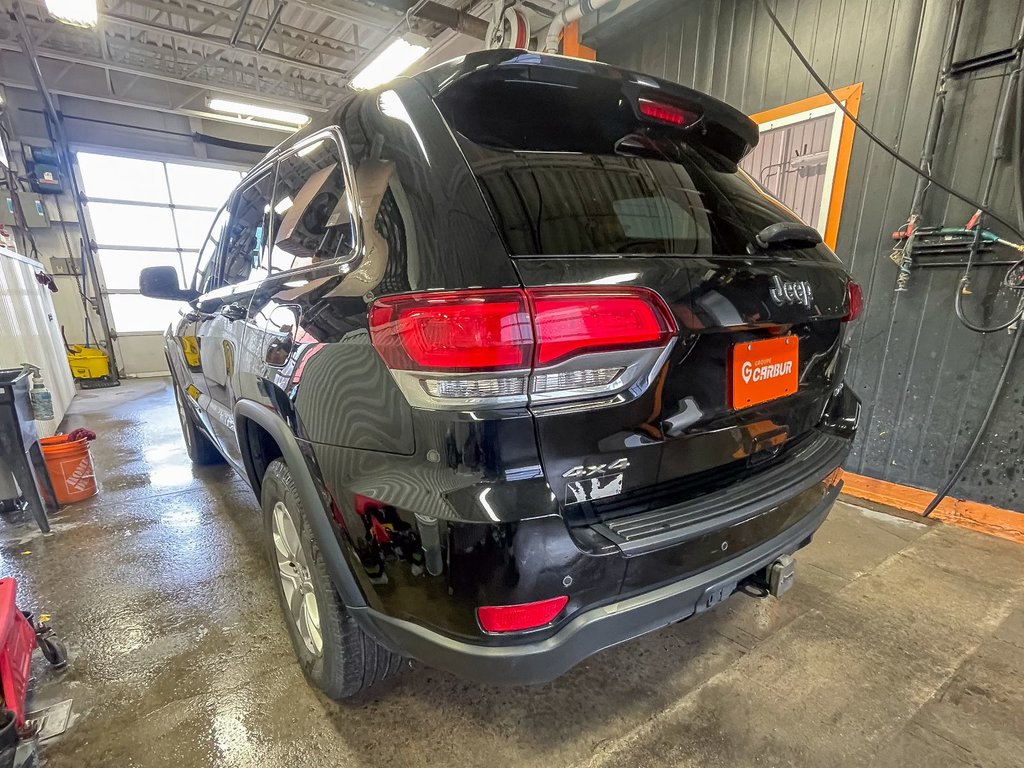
(335,654)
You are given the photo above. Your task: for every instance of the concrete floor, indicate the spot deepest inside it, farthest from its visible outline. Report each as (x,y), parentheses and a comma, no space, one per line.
(901,644)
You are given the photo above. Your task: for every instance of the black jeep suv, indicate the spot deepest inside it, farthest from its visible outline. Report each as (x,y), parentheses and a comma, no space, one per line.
(520,364)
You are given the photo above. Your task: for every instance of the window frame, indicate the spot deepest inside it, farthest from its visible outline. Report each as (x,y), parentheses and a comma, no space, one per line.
(215,259)
(271,162)
(351,193)
(250,180)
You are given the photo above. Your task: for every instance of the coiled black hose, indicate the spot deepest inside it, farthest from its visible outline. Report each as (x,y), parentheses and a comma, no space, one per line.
(982,427)
(1018,170)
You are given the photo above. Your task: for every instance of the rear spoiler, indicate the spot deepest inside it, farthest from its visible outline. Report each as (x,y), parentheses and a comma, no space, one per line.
(721,127)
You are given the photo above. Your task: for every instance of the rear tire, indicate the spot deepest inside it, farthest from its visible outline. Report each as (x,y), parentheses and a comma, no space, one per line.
(201,449)
(336,655)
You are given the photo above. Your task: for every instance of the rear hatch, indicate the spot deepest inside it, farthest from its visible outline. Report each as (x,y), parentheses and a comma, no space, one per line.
(599,177)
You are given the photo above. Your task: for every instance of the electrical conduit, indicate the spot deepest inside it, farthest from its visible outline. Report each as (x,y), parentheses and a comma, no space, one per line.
(568,15)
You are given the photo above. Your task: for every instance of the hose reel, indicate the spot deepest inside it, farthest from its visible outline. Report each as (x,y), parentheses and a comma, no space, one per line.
(510,27)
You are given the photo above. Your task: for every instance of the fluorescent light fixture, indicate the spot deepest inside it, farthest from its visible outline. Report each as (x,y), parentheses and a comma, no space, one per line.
(391,62)
(77,13)
(254,110)
(284,204)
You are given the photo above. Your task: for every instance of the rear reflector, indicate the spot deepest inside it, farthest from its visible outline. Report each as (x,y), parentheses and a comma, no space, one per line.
(666,113)
(856,301)
(516,618)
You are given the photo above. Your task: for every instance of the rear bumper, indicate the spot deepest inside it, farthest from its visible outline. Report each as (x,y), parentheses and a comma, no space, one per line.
(592,630)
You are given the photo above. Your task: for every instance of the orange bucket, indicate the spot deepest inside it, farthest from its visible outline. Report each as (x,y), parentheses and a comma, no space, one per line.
(70,468)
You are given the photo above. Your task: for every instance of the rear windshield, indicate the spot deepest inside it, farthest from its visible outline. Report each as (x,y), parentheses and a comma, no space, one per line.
(567,169)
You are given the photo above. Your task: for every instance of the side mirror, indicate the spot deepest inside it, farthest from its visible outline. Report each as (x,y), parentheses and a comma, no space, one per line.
(162,283)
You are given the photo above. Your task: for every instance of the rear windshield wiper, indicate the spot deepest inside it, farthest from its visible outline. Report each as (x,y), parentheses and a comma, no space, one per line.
(787,234)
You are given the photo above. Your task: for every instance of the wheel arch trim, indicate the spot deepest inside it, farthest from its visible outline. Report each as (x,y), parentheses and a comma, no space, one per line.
(319,520)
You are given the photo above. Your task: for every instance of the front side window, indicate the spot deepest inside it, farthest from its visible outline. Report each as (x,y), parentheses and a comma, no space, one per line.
(312,211)
(207,265)
(248,232)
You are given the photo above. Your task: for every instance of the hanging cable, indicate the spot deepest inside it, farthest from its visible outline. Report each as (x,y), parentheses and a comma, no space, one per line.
(870,134)
(1018,166)
(982,208)
(1017,163)
(982,427)
(1017,155)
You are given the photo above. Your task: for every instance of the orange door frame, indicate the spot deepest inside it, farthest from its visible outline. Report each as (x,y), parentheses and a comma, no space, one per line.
(850,96)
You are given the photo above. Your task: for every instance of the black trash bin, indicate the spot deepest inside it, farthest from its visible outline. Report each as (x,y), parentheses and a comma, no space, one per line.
(20,453)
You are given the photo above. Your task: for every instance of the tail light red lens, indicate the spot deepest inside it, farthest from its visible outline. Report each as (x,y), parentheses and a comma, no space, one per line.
(516,618)
(666,113)
(509,347)
(856,301)
(572,322)
(464,331)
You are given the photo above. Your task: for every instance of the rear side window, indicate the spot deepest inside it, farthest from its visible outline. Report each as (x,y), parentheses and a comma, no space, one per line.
(312,209)
(567,169)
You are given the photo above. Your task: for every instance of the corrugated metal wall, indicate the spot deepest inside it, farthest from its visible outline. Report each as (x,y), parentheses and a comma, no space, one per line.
(925,380)
(790,162)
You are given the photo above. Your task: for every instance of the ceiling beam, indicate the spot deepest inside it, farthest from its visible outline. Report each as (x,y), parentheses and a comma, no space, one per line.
(227,90)
(358,13)
(211,13)
(223,42)
(150,107)
(170,63)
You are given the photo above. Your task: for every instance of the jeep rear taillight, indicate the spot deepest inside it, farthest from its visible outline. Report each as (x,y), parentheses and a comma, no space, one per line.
(570,322)
(855,297)
(478,331)
(510,347)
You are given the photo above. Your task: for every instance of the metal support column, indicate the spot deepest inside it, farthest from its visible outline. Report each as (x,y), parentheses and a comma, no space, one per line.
(59,137)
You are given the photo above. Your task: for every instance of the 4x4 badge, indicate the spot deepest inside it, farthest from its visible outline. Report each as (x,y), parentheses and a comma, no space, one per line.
(593,470)
(791,292)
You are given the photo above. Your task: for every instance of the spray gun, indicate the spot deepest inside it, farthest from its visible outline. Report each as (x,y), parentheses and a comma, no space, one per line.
(39,396)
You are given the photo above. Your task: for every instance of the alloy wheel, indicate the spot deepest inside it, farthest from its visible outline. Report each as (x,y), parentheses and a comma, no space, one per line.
(296,582)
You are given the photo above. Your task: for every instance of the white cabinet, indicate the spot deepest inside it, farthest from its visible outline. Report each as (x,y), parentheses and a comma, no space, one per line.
(30,333)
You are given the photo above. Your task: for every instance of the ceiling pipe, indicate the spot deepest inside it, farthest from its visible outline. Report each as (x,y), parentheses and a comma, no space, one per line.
(453,18)
(568,15)
(239,22)
(275,16)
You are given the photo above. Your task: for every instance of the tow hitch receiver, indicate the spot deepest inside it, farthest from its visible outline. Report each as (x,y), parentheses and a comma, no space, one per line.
(781,574)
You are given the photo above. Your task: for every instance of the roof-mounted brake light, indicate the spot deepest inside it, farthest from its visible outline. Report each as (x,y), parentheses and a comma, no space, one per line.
(667,113)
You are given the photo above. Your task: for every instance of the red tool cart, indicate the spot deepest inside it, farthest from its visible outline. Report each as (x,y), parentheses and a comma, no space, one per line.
(19,636)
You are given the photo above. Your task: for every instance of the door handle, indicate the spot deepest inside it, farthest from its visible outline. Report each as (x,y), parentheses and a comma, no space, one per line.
(234,311)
